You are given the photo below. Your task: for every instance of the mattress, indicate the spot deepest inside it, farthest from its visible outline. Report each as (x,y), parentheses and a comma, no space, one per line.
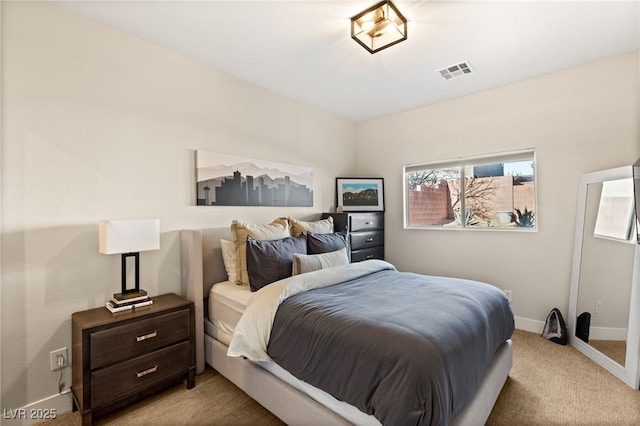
(227,302)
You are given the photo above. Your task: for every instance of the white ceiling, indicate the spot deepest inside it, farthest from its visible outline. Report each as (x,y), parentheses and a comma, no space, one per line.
(303,49)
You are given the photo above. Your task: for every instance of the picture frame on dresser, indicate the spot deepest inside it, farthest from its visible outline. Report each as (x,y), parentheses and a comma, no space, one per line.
(359,194)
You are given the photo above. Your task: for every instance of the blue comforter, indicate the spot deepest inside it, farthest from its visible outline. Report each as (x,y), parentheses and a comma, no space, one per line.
(409,349)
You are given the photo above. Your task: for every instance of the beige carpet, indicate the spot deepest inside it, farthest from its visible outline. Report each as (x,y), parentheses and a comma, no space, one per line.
(548,385)
(552,384)
(614,349)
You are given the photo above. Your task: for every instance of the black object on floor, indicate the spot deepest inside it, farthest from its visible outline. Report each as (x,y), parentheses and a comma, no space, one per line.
(554,328)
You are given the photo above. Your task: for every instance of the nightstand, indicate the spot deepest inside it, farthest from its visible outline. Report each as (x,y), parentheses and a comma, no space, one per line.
(122,357)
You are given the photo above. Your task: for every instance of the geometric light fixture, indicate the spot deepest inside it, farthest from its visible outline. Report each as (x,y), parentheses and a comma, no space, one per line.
(379,27)
(128,238)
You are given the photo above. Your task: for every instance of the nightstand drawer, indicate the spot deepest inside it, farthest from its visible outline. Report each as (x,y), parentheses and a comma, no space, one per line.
(130,340)
(362,240)
(132,376)
(365,254)
(364,222)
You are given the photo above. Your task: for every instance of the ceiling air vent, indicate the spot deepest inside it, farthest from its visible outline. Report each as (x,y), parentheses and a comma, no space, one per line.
(457,70)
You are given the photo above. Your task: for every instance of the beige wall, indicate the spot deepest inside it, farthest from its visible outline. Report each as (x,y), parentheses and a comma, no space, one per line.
(100,125)
(579,120)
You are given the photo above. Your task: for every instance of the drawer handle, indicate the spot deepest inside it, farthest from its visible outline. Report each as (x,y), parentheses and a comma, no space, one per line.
(368,223)
(370,256)
(369,240)
(147,371)
(146,336)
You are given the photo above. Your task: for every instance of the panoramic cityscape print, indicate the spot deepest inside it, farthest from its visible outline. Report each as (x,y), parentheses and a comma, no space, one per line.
(229,180)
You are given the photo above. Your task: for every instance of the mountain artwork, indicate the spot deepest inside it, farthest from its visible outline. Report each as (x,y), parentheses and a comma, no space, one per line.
(360,194)
(229,180)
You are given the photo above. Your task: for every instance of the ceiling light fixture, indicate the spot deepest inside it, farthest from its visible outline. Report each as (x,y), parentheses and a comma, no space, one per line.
(379,27)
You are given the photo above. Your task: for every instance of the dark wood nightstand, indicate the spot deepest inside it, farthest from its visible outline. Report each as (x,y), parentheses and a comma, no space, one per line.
(122,357)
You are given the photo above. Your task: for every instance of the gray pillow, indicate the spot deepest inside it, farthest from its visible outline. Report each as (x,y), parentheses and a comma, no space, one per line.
(324,243)
(279,228)
(271,260)
(312,262)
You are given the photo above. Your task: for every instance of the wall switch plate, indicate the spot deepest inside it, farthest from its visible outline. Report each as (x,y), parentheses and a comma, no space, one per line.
(59,359)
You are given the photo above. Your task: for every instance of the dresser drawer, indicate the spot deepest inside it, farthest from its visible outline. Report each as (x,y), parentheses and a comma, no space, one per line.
(130,340)
(365,222)
(365,254)
(361,240)
(131,376)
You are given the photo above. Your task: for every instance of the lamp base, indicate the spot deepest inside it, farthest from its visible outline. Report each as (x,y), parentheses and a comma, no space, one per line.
(128,295)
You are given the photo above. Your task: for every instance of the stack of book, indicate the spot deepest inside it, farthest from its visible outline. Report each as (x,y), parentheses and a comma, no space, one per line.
(127,301)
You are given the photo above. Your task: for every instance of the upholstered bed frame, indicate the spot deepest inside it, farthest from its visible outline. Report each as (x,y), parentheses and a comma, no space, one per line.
(202,267)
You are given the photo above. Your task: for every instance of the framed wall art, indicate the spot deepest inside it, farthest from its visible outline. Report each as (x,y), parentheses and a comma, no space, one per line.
(360,194)
(229,180)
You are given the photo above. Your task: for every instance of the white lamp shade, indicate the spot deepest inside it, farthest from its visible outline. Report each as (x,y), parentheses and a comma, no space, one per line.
(129,236)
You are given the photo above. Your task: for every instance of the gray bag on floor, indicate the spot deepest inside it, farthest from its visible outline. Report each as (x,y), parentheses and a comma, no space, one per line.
(555,328)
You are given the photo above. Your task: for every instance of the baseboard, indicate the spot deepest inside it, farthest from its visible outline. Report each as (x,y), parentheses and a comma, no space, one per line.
(45,409)
(595,333)
(607,333)
(526,324)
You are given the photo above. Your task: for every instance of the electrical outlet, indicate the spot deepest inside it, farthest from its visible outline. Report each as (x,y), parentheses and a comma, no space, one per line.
(598,306)
(59,359)
(509,295)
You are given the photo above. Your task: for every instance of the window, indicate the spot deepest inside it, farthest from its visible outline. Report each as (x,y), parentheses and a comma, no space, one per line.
(489,192)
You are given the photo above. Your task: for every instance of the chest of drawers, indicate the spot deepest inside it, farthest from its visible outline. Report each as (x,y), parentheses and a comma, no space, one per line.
(365,233)
(122,357)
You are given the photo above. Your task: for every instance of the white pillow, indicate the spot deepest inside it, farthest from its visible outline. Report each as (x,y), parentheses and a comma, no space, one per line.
(312,262)
(229,258)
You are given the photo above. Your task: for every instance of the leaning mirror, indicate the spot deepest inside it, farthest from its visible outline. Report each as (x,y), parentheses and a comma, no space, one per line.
(604,317)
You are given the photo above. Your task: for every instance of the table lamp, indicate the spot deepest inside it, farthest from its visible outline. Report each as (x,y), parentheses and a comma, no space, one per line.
(129,238)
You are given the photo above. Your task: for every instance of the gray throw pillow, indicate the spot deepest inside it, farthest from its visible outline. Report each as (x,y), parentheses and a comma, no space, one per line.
(324,243)
(271,260)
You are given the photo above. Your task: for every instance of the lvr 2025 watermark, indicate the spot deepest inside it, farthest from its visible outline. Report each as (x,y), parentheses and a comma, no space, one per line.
(29,413)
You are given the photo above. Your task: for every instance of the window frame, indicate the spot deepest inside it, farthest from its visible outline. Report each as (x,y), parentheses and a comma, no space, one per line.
(528,154)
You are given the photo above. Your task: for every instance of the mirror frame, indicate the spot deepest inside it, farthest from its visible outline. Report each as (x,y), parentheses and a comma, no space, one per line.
(630,372)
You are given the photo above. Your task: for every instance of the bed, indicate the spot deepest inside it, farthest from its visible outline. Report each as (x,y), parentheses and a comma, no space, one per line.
(223,305)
